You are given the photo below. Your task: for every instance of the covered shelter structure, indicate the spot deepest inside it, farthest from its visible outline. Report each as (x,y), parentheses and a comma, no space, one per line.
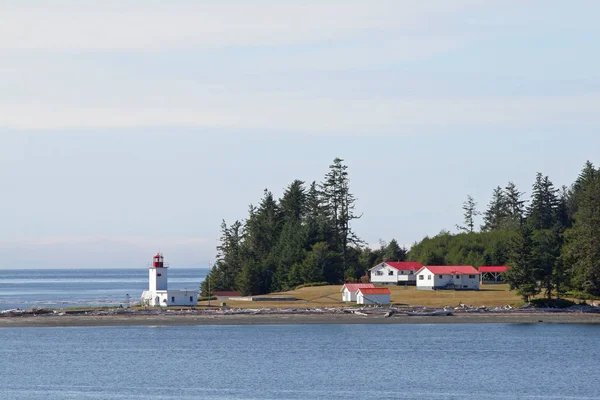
(492,274)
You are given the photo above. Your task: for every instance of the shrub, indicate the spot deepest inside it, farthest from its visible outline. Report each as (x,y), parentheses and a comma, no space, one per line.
(205,298)
(551,303)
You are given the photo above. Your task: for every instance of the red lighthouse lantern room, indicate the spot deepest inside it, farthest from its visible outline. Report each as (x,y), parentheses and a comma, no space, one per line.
(158,261)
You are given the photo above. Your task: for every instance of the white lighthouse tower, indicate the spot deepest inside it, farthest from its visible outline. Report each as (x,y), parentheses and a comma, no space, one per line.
(158,293)
(157,274)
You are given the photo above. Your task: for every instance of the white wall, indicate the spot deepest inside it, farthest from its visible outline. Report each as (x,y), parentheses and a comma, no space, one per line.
(460,281)
(385,277)
(372,298)
(348,295)
(156,282)
(182,297)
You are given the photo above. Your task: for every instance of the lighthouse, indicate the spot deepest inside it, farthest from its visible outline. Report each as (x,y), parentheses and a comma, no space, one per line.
(157,274)
(159,294)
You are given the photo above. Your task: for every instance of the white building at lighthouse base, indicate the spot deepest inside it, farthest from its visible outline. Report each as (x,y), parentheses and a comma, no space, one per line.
(158,293)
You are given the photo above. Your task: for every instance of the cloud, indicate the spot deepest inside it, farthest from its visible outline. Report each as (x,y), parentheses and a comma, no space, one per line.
(153,26)
(300,113)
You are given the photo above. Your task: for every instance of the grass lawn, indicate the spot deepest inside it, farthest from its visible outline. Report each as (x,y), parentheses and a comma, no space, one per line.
(330,296)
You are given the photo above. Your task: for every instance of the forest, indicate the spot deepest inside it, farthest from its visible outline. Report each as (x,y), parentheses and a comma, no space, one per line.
(551,240)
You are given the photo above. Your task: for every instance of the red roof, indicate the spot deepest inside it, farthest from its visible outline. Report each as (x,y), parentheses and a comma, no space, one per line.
(495,268)
(374,290)
(353,287)
(453,269)
(402,266)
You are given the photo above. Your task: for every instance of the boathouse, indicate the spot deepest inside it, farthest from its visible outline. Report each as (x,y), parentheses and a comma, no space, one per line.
(461,277)
(395,273)
(373,296)
(158,293)
(349,290)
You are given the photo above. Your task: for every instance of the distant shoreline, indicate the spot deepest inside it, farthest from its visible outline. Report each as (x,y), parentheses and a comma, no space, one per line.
(164,319)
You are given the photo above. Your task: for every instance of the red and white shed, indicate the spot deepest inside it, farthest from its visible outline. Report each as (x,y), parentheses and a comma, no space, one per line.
(349,290)
(373,296)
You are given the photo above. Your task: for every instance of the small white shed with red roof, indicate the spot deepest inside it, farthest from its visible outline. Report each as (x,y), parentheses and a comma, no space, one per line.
(373,296)
(349,290)
(395,273)
(457,277)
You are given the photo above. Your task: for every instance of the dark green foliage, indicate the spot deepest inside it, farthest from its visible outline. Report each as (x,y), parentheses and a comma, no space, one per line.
(523,272)
(582,248)
(304,237)
(393,252)
(496,215)
(552,303)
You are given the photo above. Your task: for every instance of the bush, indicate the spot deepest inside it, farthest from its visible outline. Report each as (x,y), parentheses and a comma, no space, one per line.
(551,303)
(312,284)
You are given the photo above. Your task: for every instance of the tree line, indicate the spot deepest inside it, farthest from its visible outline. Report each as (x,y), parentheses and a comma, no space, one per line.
(551,241)
(304,237)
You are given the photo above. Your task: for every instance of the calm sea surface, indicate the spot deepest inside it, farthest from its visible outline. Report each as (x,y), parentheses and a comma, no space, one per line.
(463,361)
(85,287)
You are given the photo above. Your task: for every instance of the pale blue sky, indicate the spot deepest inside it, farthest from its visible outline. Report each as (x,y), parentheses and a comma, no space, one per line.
(132,126)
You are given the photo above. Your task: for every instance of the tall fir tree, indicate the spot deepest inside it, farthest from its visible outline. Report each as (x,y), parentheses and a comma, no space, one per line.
(541,213)
(339,203)
(495,216)
(582,248)
(515,207)
(522,274)
(470,212)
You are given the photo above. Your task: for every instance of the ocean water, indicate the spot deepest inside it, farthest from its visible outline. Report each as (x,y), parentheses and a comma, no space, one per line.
(461,361)
(84,287)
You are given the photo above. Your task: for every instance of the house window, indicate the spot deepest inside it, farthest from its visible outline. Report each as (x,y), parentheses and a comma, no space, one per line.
(378,273)
(172,299)
(390,273)
(191,299)
(457,276)
(421,277)
(428,277)
(411,272)
(471,276)
(441,276)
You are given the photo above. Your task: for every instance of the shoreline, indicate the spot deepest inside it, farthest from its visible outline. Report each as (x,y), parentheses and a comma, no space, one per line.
(198,319)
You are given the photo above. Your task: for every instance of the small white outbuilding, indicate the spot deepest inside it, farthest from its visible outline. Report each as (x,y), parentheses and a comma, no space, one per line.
(349,290)
(373,296)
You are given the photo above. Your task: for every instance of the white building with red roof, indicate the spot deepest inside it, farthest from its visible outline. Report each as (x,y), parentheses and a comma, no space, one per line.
(349,290)
(395,273)
(463,277)
(373,296)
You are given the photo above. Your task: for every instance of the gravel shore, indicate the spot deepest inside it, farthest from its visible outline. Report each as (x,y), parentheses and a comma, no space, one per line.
(166,319)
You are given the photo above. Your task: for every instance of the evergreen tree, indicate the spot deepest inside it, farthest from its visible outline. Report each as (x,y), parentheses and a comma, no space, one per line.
(515,207)
(339,204)
(470,212)
(495,216)
(582,249)
(393,252)
(522,274)
(541,213)
(318,265)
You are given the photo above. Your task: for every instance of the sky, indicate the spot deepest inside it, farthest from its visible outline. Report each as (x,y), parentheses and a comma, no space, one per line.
(129,127)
